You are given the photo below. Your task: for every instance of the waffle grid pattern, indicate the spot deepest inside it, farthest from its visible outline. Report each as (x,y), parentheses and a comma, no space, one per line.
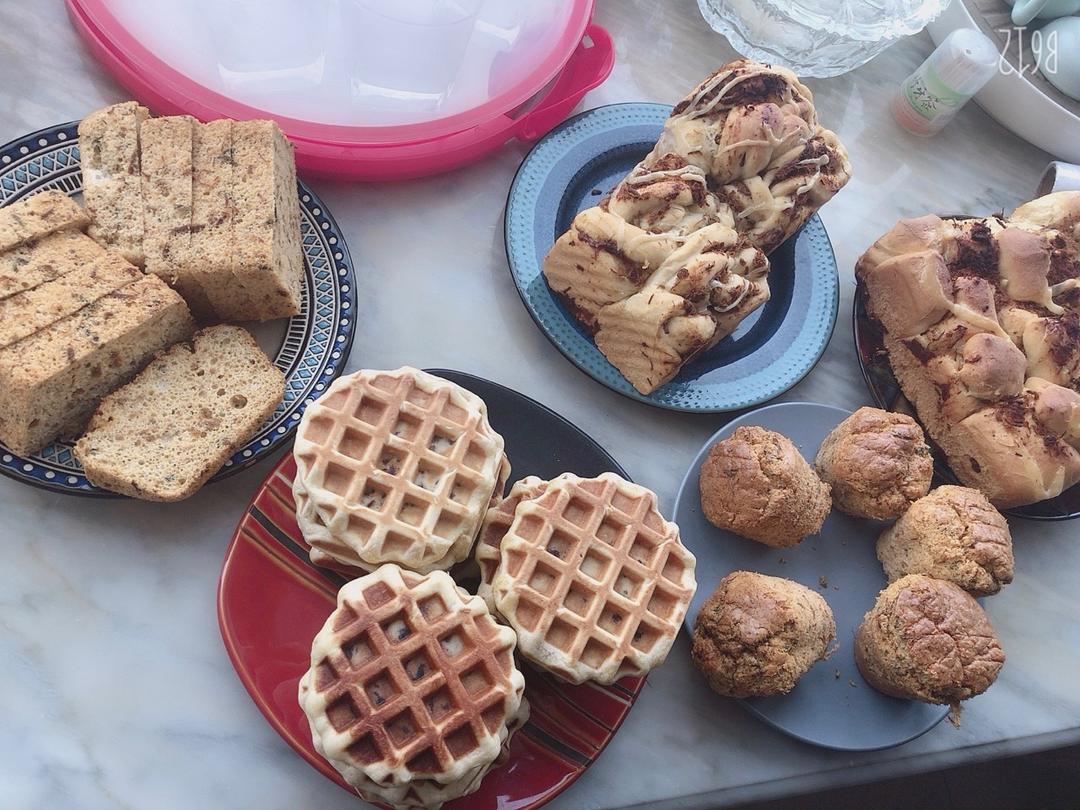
(411,678)
(496,523)
(593,579)
(400,465)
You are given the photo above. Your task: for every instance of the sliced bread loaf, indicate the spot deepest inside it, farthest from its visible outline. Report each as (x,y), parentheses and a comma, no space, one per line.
(38,216)
(211,220)
(109,155)
(55,378)
(24,314)
(163,435)
(31,264)
(267,259)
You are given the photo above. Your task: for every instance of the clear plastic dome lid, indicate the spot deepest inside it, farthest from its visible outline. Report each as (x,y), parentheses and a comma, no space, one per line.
(372,64)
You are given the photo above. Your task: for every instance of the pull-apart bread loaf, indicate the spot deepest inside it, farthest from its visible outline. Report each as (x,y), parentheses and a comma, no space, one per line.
(210,208)
(674,258)
(76,320)
(981,322)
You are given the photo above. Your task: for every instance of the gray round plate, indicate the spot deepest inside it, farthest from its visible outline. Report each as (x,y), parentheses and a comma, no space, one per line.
(831,706)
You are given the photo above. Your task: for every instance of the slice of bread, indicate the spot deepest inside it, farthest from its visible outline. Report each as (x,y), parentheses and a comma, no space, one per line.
(32,264)
(38,216)
(267,258)
(165,147)
(211,221)
(24,314)
(109,155)
(162,436)
(55,378)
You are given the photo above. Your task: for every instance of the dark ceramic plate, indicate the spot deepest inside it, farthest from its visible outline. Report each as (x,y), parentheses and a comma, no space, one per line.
(272,601)
(310,348)
(831,706)
(885,390)
(776,346)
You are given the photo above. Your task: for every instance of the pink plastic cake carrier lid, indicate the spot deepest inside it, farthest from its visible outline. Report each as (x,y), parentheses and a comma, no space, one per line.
(365,89)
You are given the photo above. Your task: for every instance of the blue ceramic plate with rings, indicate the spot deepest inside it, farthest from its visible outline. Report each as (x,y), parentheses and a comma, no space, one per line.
(571,169)
(831,706)
(310,348)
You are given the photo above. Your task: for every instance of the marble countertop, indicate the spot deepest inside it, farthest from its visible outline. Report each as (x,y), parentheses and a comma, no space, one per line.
(115,690)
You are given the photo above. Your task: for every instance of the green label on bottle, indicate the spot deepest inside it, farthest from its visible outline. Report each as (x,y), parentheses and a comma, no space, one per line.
(929,96)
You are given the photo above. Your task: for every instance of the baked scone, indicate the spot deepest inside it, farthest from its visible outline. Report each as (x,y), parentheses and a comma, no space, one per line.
(927,639)
(673,260)
(981,322)
(877,463)
(756,484)
(955,534)
(756,635)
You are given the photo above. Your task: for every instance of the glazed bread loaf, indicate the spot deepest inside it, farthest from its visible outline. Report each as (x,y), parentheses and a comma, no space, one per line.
(756,484)
(756,635)
(54,378)
(877,464)
(674,258)
(162,436)
(928,639)
(954,534)
(981,322)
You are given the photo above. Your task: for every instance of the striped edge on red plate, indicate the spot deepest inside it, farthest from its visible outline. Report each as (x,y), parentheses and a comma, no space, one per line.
(271,603)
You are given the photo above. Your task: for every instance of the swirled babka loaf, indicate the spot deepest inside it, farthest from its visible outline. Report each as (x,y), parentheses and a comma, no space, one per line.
(981,320)
(675,257)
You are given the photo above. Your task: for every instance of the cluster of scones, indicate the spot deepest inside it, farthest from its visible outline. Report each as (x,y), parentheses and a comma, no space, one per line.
(415,686)
(926,637)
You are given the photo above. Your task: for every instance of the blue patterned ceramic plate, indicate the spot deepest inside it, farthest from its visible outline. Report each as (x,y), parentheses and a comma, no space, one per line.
(832,705)
(570,169)
(311,348)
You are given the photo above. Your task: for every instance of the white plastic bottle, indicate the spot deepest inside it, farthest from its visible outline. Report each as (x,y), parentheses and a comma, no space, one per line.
(957,69)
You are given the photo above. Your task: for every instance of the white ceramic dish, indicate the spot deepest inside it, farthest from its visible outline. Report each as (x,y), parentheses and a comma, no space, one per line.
(1015,102)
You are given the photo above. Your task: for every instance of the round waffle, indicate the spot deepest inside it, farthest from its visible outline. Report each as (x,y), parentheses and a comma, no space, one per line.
(397,466)
(427,794)
(593,579)
(496,523)
(411,681)
(329,551)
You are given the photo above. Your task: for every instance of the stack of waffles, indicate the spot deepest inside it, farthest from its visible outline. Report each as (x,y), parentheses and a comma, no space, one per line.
(589,575)
(413,693)
(395,467)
